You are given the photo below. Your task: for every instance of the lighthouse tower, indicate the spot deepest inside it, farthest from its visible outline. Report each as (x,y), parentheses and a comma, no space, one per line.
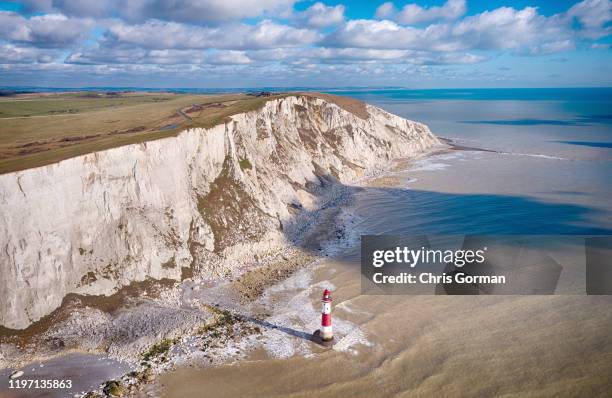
(326,325)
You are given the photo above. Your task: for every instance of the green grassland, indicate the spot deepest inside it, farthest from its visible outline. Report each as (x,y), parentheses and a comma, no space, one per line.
(71,103)
(39,129)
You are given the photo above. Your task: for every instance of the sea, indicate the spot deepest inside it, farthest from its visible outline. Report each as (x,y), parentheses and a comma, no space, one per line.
(549,169)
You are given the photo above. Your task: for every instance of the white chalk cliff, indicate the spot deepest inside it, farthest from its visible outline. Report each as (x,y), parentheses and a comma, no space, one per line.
(97,222)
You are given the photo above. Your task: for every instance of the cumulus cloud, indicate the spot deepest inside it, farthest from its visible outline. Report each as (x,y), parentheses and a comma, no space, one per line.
(229,58)
(86,8)
(269,35)
(340,55)
(319,15)
(134,56)
(156,34)
(10,54)
(199,11)
(415,14)
(191,11)
(593,16)
(366,33)
(81,8)
(332,55)
(51,30)
(357,54)
(506,29)
(102,56)
(386,10)
(456,58)
(350,55)
(552,47)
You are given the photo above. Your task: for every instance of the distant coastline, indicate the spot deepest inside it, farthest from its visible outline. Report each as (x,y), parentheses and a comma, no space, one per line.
(542,93)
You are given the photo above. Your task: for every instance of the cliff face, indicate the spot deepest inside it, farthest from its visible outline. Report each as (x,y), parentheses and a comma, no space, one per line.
(94,223)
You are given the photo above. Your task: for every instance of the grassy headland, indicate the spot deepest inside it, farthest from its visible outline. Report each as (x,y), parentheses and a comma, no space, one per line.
(40,129)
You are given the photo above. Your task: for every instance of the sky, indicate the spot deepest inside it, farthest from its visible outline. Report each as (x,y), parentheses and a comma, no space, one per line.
(292,43)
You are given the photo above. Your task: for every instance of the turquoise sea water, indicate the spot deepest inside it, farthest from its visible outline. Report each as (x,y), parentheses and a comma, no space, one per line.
(552,175)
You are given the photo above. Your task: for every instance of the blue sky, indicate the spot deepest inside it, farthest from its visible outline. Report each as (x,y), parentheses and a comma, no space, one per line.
(255,43)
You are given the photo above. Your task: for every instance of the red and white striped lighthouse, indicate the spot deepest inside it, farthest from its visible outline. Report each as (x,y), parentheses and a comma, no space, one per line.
(326,333)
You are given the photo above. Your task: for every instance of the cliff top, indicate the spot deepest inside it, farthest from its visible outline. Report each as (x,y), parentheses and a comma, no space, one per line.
(348,104)
(40,129)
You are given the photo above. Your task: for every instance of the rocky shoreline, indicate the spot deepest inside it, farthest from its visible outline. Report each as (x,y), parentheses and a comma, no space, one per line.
(196,322)
(216,311)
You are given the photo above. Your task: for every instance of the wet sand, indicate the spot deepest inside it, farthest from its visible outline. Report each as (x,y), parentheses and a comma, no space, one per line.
(85,372)
(431,346)
(457,346)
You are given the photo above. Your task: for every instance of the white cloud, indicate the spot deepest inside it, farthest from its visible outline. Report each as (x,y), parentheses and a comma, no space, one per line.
(456,58)
(201,11)
(51,30)
(358,54)
(386,10)
(80,8)
(503,29)
(319,15)
(350,55)
(191,11)
(10,54)
(102,56)
(86,8)
(275,54)
(13,26)
(415,14)
(509,29)
(267,34)
(314,56)
(552,47)
(229,58)
(594,17)
(163,35)
(99,56)
(367,33)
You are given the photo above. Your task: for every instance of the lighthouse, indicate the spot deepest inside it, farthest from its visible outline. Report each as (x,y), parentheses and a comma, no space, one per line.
(326,332)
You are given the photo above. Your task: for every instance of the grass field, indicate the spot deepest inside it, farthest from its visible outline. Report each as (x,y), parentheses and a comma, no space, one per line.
(39,129)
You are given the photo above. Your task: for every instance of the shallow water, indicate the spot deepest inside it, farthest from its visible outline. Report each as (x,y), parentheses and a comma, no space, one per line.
(555,171)
(552,177)
(85,371)
(416,345)
(492,193)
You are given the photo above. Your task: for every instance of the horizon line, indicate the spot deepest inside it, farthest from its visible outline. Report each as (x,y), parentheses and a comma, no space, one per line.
(289,88)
